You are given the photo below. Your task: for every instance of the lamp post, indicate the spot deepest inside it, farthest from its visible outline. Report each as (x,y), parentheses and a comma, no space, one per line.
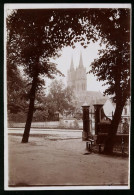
(86,125)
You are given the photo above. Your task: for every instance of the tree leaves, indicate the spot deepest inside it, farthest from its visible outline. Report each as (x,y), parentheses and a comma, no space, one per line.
(34,36)
(60,98)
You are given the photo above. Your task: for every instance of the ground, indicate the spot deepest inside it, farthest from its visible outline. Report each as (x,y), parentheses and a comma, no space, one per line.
(52,159)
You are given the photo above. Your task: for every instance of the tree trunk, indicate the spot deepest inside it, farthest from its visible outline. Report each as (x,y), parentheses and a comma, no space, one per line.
(30,111)
(108,148)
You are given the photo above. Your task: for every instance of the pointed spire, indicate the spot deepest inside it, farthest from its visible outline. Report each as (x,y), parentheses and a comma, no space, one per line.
(72,64)
(81,60)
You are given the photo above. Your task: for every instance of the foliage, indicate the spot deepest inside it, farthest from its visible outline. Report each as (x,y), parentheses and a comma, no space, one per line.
(37,35)
(40,116)
(40,34)
(60,98)
(113,65)
(16,90)
(34,36)
(19,117)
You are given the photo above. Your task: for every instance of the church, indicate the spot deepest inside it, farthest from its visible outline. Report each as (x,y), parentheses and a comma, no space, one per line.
(77,80)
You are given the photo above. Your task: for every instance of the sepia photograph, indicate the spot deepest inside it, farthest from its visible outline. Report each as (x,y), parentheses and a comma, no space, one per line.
(67,93)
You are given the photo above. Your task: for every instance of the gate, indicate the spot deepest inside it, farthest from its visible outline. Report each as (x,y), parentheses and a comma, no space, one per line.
(97,125)
(123,127)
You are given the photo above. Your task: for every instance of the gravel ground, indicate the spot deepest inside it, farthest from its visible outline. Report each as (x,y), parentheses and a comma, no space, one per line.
(62,162)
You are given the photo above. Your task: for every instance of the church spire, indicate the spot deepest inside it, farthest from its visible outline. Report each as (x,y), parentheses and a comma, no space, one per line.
(72,64)
(81,60)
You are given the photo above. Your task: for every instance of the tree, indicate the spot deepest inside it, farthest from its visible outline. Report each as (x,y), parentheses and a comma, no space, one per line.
(34,36)
(60,98)
(38,35)
(113,65)
(16,90)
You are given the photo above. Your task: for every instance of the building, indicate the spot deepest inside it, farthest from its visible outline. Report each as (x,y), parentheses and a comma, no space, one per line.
(77,79)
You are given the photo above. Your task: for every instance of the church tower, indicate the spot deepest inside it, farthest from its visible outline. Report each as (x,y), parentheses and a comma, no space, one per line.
(71,75)
(77,79)
(81,78)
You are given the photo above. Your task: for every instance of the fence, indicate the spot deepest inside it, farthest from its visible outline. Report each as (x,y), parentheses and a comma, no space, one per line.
(123,127)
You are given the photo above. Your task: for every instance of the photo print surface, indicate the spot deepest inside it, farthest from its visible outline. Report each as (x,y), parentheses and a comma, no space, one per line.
(67,91)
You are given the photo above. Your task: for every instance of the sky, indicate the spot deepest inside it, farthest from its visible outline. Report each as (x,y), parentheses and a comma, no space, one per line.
(88,56)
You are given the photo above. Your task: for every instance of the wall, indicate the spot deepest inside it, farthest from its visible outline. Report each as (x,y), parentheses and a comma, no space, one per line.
(70,123)
(52,124)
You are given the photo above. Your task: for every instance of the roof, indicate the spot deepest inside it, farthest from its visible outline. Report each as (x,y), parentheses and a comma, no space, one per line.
(95,94)
(91,98)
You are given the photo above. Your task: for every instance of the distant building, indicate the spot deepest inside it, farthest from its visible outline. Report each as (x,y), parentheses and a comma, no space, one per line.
(77,79)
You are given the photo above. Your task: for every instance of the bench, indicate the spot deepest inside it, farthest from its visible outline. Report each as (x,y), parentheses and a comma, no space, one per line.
(89,144)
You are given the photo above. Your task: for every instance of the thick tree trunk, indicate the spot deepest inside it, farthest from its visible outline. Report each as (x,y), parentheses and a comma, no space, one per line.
(30,111)
(108,148)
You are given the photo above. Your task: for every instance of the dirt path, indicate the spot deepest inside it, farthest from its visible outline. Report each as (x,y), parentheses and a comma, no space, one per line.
(62,162)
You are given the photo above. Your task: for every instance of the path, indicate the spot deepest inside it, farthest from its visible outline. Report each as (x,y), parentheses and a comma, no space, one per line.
(45,161)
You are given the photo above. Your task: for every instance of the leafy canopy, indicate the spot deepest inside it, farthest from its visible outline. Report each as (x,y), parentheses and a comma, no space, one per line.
(113,64)
(34,36)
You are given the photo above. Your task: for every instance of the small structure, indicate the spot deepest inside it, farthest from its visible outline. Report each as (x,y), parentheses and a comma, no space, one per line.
(102,122)
(86,125)
(56,116)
